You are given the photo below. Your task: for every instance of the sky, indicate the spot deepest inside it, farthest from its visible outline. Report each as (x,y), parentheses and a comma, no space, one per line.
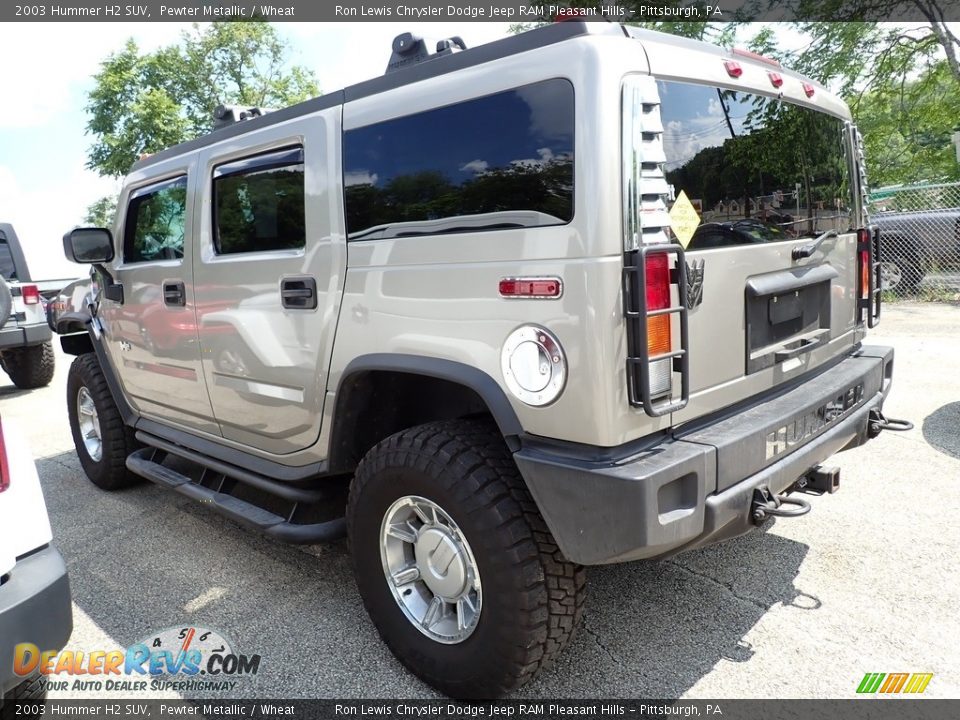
(45,188)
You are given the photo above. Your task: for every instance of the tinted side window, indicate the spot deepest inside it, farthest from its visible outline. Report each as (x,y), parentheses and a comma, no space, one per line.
(500,161)
(259,203)
(155,222)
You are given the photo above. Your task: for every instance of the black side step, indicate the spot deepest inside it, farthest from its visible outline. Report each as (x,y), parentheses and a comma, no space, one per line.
(143,463)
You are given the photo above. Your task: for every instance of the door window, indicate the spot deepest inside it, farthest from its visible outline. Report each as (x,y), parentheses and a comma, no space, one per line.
(155,222)
(259,203)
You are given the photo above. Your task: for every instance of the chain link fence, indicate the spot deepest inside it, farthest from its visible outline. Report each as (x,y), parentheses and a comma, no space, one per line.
(919,240)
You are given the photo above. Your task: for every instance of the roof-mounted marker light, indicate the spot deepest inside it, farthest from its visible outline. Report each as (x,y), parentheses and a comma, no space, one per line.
(808,89)
(733,68)
(775,79)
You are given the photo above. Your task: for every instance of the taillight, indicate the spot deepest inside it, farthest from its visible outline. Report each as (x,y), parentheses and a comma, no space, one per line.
(4,467)
(658,298)
(31,295)
(659,341)
(868,276)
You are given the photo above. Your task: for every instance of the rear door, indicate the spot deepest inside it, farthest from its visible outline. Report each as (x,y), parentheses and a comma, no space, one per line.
(754,182)
(271,264)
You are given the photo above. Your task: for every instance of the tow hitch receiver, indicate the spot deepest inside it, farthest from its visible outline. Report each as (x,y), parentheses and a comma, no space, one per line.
(766,505)
(878,423)
(820,480)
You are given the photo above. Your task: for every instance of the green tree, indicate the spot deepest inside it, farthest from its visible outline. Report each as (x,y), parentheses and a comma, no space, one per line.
(144,102)
(102,212)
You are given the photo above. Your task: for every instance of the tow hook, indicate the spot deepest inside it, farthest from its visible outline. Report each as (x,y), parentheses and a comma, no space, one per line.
(765,504)
(878,423)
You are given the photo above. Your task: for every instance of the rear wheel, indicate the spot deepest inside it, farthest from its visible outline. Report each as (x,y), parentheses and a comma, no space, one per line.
(455,565)
(102,439)
(30,367)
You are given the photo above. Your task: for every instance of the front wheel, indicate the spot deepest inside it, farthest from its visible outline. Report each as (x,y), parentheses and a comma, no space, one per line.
(455,565)
(102,439)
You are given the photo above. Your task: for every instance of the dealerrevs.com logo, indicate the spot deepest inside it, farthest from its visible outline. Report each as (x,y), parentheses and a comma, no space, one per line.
(894,683)
(180,659)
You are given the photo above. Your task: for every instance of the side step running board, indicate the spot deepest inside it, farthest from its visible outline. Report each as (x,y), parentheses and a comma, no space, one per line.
(143,463)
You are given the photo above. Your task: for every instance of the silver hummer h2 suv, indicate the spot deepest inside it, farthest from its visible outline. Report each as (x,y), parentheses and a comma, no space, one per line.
(585,295)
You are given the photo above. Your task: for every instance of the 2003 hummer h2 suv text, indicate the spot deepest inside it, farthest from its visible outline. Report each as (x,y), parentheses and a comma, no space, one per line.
(585,295)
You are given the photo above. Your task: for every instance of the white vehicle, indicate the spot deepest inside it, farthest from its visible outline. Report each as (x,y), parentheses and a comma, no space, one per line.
(34,588)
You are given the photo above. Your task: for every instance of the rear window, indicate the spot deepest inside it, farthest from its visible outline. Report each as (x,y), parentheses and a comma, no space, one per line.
(496,162)
(756,169)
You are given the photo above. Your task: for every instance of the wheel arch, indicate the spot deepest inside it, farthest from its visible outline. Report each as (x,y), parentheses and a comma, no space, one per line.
(383,393)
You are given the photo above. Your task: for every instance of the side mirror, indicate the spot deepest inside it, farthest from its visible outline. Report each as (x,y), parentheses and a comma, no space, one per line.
(88,245)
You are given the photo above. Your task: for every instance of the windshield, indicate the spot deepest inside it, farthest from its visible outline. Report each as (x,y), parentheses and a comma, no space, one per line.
(755,169)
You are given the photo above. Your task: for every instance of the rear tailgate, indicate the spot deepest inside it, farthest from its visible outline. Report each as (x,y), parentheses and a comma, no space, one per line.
(752,178)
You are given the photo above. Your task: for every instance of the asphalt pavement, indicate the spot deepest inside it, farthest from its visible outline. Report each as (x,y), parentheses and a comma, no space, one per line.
(867,582)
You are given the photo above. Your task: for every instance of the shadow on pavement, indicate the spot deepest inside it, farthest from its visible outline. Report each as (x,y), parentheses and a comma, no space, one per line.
(941,429)
(145,559)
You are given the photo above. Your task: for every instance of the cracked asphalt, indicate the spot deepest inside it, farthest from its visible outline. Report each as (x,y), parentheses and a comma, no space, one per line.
(867,582)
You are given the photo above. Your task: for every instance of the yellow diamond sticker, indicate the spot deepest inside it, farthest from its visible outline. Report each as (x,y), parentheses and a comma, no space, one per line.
(684,219)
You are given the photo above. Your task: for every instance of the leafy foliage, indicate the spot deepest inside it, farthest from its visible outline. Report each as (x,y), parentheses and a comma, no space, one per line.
(102,212)
(144,102)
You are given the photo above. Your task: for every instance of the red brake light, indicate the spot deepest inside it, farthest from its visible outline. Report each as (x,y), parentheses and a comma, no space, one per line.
(863,238)
(4,468)
(756,56)
(31,295)
(531,287)
(657,271)
(733,68)
(775,79)
(809,89)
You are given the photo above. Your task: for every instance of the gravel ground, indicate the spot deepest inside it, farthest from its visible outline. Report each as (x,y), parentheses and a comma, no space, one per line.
(867,582)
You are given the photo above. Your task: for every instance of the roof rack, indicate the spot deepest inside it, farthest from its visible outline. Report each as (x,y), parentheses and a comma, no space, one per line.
(224,115)
(409,49)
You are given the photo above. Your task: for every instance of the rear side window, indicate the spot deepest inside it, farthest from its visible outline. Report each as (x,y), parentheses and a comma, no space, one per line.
(155,222)
(259,203)
(8,271)
(496,162)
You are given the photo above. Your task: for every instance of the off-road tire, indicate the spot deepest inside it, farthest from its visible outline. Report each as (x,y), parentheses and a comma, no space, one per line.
(6,301)
(533,597)
(30,367)
(110,472)
(32,690)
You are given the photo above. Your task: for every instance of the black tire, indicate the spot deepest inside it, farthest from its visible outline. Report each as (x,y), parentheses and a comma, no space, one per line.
(31,690)
(30,367)
(533,597)
(6,301)
(109,472)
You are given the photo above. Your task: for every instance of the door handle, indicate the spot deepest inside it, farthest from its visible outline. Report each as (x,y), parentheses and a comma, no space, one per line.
(174,294)
(298,293)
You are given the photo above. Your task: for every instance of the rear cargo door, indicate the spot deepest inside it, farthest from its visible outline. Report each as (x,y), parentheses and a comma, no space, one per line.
(760,196)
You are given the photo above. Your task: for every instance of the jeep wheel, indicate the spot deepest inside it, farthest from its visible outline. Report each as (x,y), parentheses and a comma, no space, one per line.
(900,275)
(455,565)
(103,442)
(29,367)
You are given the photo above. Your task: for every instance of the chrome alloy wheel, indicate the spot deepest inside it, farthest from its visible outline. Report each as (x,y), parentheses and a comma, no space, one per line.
(89,424)
(430,569)
(890,275)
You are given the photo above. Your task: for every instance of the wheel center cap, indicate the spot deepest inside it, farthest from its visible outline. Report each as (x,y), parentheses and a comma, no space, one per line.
(441,563)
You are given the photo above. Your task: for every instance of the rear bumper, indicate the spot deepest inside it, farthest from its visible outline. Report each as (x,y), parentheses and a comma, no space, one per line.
(34,608)
(694,487)
(21,336)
